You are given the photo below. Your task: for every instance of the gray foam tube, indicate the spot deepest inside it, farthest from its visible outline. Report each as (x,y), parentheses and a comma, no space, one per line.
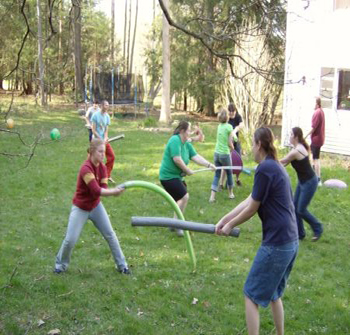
(179,224)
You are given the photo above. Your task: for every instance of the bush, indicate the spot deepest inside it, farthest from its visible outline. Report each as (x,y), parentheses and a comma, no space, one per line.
(150,122)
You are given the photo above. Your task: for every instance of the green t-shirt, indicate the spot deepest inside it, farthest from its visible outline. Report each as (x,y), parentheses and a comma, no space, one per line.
(175,147)
(224,131)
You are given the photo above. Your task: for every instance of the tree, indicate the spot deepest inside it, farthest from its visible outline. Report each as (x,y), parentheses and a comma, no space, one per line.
(79,83)
(165,109)
(40,56)
(218,27)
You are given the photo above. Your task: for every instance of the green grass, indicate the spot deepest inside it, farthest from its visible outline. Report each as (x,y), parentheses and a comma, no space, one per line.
(92,298)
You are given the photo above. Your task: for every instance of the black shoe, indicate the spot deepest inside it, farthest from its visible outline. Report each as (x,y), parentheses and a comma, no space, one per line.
(125,271)
(57,271)
(239,183)
(316,238)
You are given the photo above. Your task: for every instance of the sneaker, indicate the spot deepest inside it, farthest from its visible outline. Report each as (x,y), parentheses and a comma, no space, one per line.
(316,238)
(179,232)
(125,271)
(220,188)
(239,183)
(231,196)
(320,183)
(57,271)
(211,200)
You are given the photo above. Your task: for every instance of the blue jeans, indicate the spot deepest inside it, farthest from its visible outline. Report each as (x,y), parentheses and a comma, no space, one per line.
(302,198)
(222,160)
(77,220)
(267,278)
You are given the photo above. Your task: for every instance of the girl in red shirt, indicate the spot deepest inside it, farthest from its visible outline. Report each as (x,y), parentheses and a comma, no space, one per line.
(91,184)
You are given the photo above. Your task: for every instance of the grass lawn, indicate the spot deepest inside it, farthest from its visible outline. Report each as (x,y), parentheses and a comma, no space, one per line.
(163,295)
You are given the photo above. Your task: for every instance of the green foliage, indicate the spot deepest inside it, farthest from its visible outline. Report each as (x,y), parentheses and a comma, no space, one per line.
(92,298)
(150,122)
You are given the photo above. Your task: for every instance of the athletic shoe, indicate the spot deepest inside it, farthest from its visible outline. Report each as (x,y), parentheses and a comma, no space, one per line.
(57,271)
(125,271)
(239,183)
(232,196)
(320,183)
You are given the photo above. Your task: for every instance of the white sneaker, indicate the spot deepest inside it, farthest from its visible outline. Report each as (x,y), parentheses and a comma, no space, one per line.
(320,183)
(179,232)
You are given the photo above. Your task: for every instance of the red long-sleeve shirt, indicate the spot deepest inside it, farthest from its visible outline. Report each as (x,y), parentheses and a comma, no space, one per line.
(90,180)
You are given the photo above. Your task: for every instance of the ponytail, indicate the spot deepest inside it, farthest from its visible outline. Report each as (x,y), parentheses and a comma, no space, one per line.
(265,136)
(183,125)
(298,133)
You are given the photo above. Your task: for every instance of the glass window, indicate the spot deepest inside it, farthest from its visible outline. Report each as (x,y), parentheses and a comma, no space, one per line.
(344,90)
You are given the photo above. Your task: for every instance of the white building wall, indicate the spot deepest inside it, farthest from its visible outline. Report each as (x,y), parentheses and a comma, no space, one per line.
(316,38)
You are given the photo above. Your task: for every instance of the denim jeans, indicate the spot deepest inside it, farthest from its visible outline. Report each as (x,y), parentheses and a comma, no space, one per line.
(267,278)
(77,220)
(222,160)
(302,198)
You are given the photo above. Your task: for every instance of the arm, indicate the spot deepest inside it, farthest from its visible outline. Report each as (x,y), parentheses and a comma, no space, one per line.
(116,191)
(199,135)
(289,157)
(181,164)
(230,141)
(202,161)
(238,128)
(243,212)
(309,133)
(93,128)
(106,135)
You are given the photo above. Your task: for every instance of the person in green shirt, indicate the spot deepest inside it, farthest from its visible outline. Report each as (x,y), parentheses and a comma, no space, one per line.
(177,154)
(222,156)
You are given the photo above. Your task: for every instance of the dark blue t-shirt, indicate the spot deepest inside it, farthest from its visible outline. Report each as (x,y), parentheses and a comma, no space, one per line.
(276,211)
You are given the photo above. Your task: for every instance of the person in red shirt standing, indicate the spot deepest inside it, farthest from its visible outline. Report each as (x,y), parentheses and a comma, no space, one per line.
(317,137)
(91,184)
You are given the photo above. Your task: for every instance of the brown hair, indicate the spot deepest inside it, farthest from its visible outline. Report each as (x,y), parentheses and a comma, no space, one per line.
(223,115)
(231,108)
(297,132)
(318,102)
(265,136)
(94,144)
(183,125)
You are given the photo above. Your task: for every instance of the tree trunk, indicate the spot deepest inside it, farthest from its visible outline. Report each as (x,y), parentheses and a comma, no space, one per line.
(40,55)
(79,89)
(185,100)
(60,53)
(165,110)
(134,37)
(112,32)
(128,47)
(124,41)
(1,86)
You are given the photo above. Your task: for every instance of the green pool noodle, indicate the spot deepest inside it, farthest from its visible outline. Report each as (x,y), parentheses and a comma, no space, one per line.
(172,202)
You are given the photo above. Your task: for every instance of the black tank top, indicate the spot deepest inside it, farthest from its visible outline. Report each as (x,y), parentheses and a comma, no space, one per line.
(303,168)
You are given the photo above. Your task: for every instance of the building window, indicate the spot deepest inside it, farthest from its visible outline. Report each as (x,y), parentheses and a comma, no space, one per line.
(340,4)
(344,90)
(326,90)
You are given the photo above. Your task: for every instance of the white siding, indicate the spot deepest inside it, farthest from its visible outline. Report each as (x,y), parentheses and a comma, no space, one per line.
(316,38)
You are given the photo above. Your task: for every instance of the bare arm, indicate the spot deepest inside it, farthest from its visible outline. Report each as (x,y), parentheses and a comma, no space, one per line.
(238,128)
(106,135)
(289,157)
(198,159)
(116,191)
(243,212)
(230,141)
(181,164)
(309,133)
(93,128)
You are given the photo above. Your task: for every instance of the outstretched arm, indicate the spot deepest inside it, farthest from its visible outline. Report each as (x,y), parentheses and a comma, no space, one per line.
(202,161)
(289,157)
(243,212)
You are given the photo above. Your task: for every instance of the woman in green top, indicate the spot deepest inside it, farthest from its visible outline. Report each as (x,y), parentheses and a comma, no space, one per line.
(222,156)
(177,154)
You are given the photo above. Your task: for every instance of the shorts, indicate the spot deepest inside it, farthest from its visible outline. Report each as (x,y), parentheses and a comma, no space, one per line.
(175,187)
(315,152)
(269,273)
